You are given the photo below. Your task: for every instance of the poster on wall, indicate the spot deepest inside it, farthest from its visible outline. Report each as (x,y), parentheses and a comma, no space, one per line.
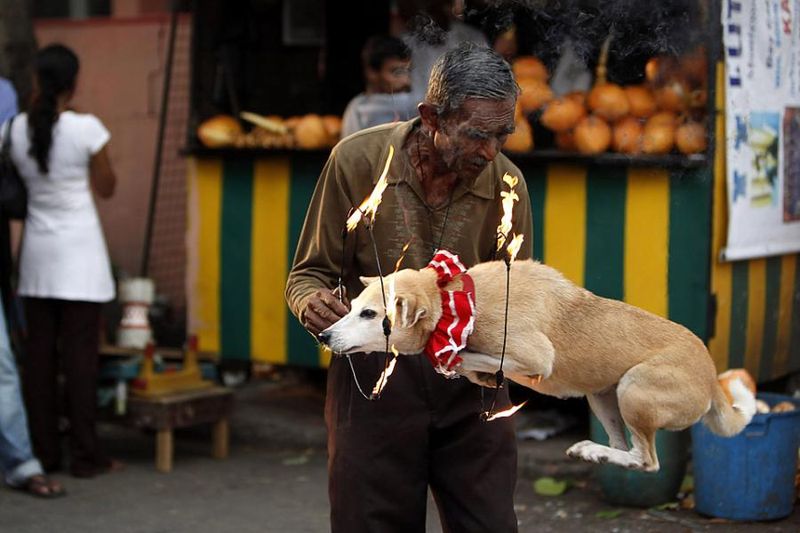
(762,70)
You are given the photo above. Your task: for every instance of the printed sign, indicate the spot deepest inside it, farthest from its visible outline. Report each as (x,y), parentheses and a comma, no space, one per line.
(762,71)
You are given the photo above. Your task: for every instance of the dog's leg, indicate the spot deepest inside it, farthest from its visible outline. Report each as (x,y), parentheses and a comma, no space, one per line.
(640,457)
(637,413)
(606,408)
(481,368)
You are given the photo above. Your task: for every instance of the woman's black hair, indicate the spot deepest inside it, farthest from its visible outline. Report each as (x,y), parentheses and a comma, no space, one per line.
(56,70)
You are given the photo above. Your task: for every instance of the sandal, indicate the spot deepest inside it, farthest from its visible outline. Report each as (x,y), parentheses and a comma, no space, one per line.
(42,486)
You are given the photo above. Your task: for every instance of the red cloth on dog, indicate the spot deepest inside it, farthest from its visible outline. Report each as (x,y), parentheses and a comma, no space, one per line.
(458,314)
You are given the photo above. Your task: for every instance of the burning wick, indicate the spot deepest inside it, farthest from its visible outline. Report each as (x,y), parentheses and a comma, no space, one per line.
(503,230)
(509,197)
(367,211)
(514,246)
(369,206)
(384,377)
(503,414)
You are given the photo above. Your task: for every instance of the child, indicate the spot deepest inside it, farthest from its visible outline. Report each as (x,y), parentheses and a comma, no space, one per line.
(386,98)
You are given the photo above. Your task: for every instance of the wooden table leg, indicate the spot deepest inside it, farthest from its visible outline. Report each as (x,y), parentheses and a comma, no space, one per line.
(164,449)
(220,439)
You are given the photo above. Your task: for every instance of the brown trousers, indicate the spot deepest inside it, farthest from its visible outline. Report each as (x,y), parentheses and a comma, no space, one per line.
(424,431)
(69,329)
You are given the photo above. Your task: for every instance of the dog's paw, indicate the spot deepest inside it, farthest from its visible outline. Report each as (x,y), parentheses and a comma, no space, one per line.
(588,451)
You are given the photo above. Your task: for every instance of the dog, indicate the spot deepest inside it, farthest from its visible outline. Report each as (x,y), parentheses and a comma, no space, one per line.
(636,369)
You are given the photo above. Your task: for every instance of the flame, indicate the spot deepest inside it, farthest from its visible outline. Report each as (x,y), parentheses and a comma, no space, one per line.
(391,303)
(509,197)
(369,206)
(508,412)
(383,379)
(402,256)
(514,246)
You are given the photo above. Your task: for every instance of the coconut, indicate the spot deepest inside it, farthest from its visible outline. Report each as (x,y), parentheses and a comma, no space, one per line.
(658,138)
(310,132)
(608,101)
(562,114)
(627,136)
(529,67)
(592,135)
(690,138)
(535,93)
(333,125)
(219,131)
(522,138)
(674,96)
(783,407)
(641,101)
(666,118)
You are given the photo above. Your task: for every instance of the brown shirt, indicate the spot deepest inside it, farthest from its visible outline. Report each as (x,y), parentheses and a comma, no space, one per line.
(468,228)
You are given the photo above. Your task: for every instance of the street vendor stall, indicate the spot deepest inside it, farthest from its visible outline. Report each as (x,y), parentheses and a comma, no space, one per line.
(649,227)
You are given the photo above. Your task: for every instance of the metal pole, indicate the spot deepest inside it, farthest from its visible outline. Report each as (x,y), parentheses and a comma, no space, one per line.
(162,123)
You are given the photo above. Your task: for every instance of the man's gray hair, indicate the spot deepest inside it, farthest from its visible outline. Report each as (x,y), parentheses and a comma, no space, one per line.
(469,71)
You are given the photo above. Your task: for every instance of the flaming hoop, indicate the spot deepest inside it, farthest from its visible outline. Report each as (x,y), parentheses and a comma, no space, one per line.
(367,211)
(503,231)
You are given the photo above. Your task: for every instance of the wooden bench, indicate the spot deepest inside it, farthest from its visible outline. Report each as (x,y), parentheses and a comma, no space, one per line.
(179,410)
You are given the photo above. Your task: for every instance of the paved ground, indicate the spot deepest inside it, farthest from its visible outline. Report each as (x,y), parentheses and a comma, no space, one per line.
(275,481)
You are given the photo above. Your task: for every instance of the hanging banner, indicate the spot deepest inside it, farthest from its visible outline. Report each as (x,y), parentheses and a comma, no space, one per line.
(762,70)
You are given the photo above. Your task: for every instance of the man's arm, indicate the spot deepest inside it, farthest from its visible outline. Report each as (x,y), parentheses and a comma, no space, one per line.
(316,263)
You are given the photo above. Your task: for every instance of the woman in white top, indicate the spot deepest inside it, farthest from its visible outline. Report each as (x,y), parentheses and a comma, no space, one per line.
(64,272)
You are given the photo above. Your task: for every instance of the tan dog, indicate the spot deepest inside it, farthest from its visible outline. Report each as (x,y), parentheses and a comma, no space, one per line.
(635,368)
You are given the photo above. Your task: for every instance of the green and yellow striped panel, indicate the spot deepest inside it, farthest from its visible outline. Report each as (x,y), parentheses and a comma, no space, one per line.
(245,217)
(634,234)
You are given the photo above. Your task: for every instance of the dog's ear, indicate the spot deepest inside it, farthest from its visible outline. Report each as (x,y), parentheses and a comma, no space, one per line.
(409,311)
(368,280)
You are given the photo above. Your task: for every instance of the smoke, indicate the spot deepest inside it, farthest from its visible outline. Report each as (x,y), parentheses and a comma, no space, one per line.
(424,29)
(637,28)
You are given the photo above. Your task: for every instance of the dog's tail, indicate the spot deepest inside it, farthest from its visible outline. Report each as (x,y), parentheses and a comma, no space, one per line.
(727,418)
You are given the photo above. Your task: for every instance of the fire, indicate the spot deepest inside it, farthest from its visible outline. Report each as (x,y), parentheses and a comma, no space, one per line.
(391,303)
(369,206)
(514,246)
(402,256)
(509,198)
(384,377)
(508,412)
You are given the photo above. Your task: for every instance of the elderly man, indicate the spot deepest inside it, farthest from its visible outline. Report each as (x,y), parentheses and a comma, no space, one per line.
(443,191)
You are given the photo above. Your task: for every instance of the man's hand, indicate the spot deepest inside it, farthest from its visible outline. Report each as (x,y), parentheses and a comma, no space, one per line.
(324,309)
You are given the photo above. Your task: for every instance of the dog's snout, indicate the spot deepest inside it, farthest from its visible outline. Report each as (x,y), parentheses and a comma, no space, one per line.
(324,337)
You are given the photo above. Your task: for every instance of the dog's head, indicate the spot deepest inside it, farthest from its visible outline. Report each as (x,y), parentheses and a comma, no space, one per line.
(414,309)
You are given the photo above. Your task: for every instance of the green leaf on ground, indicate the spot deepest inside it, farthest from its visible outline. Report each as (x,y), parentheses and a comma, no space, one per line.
(669,506)
(687,485)
(611,513)
(547,486)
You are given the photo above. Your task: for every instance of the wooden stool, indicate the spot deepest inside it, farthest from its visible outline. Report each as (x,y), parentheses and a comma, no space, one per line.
(179,410)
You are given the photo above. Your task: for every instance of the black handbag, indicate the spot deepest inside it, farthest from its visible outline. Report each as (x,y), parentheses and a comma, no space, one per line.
(13,194)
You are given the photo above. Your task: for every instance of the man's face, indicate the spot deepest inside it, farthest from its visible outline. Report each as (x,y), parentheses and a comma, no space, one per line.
(393,76)
(469,138)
